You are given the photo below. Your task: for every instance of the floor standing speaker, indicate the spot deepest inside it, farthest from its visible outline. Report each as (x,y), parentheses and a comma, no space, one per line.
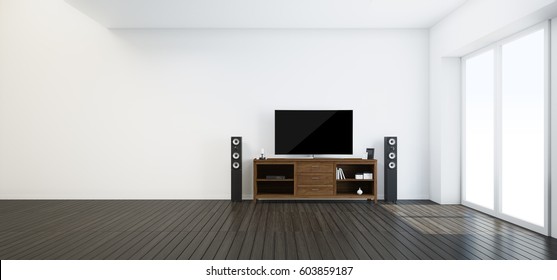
(391,154)
(236,178)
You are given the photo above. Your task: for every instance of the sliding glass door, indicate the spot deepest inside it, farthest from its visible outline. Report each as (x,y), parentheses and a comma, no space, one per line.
(523,132)
(505,129)
(479,129)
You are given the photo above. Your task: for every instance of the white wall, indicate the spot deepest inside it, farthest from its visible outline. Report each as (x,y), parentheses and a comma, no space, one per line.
(445,129)
(474,25)
(87,112)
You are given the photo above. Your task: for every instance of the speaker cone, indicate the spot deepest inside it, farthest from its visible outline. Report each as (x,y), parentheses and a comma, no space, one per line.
(236,141)
(392,141)
(392,155)
(235,165)
(392,165)
(236,155)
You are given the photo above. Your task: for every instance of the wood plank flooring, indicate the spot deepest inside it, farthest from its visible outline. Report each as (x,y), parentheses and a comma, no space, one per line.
(219,229)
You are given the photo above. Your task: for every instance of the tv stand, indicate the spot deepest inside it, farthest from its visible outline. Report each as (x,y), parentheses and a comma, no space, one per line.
(313,178)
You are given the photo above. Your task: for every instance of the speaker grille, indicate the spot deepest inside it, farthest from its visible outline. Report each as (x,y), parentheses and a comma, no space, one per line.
(236,173)
(390,168)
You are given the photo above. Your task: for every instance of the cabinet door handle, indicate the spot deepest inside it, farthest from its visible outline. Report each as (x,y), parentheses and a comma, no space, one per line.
(314,166)
(314,189)
(315,178)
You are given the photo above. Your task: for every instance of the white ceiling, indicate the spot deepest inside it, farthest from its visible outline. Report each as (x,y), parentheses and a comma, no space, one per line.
(267,13)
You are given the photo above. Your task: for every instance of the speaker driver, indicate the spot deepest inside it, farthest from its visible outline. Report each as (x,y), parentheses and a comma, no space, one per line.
(392,165)
(392,141)
(235,165)
(236,141)
(392,155)
(236,155)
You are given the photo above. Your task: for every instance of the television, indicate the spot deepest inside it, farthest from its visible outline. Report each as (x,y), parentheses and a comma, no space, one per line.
(313,132)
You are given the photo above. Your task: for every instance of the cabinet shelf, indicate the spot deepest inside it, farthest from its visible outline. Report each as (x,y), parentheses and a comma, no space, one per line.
(313,179)
(354,180)
(367,196)
(275,180)
(275,196)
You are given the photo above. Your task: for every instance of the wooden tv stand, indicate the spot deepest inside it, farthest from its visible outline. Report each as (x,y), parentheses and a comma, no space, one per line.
(285,178)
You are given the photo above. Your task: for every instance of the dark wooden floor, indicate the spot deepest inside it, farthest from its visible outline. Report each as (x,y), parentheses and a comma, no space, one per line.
(193,229)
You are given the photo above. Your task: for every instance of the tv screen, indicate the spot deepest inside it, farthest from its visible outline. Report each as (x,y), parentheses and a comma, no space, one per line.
(302,132)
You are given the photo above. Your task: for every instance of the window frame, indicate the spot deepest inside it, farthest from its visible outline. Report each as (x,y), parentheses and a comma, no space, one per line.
(497,48)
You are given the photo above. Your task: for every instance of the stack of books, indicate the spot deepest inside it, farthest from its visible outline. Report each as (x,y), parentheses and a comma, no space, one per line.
(340,174)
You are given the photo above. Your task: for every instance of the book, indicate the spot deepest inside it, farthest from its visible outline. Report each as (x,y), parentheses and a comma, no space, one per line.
(341,174)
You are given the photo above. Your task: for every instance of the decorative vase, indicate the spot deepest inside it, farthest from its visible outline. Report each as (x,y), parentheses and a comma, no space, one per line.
(360,192)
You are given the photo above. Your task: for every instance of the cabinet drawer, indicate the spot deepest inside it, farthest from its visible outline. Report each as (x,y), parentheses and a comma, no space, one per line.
(304,167)
(315,190)
(315,179)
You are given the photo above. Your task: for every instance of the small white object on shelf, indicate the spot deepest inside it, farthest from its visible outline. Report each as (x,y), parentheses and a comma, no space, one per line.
(359,176)
(360,192)
(368,176)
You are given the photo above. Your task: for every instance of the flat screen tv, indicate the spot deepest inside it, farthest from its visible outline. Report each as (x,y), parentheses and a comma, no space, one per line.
(313,132)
